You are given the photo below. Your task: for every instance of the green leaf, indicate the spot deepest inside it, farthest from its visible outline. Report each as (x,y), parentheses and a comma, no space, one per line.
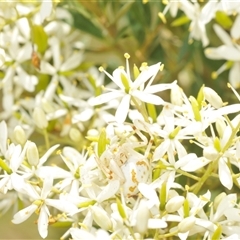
(223,19)
(180,21)
(39,37)
(86,25)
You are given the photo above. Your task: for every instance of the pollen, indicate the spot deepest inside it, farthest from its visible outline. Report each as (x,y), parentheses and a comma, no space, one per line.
(101,69)
(126,55)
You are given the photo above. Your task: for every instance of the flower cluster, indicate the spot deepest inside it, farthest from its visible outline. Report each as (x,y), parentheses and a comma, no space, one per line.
(227,32)
(113,159)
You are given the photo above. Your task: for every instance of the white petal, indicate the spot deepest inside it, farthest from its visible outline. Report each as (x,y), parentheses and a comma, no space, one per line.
(149,193)
(43,222)
(108,191)
(224,174)
(72,62)
(146,74)
(223,35)
(148,98)
(24,214)
(227,202)
(234,75)
(54,171)
(3,137)
(161,149)
(195,164)
(47,68)
(123,108)
(235,28)
(223,52)
(84,116)
(44,158)
(62,205)
(46,9)
(81,234)
(156,223)
(117,79)
(47,187)
(160,87)
(105,97)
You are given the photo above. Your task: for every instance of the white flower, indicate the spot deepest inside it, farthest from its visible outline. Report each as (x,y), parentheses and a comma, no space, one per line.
(199,18)
(133,90)
(229,51)
(81,234)
(39,205)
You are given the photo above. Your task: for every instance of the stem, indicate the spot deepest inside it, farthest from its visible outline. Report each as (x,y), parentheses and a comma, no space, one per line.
(168,235)
(188,174)
(45,133)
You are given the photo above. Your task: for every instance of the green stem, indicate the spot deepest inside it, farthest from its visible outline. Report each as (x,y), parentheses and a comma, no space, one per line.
(188,174)
(168,235)
(45,133)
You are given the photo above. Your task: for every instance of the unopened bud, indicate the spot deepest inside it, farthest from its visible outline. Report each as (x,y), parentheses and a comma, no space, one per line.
(32,154)
(75,134)
(39,118)
(174,204)
(220,126)
(142,217)
(101,218)
(186,224)
(19,135)
(176,95)
(212,97)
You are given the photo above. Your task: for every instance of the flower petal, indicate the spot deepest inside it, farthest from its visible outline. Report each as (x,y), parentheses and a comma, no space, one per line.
(24,214)
(224,174)
(122,110)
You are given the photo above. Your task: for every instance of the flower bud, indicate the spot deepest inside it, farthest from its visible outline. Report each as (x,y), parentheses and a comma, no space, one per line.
(32,154)
(218,199)
(19,135)
(176,95)
(220,126)
(174,204)
(101,218)
(75,134)
(142,217)
(46,105)
(39,118)
(212,97)
(186,224)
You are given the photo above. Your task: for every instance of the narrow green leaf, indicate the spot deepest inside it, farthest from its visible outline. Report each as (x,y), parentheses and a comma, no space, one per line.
(85,24)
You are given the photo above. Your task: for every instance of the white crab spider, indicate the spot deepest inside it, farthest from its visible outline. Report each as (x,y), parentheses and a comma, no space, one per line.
(122,162)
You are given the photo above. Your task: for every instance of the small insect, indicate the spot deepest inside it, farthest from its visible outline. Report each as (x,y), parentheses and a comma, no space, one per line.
(35,60)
